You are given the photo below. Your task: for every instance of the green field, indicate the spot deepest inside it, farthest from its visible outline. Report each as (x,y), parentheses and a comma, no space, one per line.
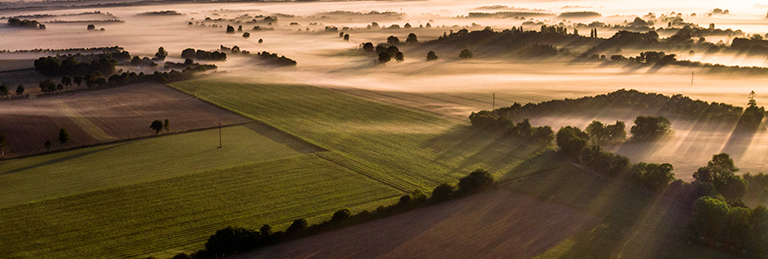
(164,195)
(106,166)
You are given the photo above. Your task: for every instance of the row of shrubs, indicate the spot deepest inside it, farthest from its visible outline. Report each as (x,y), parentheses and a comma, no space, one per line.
(232,240)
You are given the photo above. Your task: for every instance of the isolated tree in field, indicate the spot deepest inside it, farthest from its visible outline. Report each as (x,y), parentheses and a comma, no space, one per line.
(465,54)
(431,56)
(91,27)
(399,56)
(411,38)
(230,29)
(346,37)
(368,47)
(478,180)
(246,35)
(47,146)
(239,28)
(161,54)
(4,90)
(78,80)
(63,137)
(19,89)
(157,125)
(261,41)
(384,57)
(341,34)
(165,125)
(2,145)
(392,40)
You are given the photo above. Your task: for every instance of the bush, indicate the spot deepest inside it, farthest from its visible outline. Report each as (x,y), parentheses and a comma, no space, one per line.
(477,181)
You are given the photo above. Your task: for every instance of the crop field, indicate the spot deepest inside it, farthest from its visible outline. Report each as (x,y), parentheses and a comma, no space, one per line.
(178,214)
(497,224)
(87,169)
(403,148)
(103,116)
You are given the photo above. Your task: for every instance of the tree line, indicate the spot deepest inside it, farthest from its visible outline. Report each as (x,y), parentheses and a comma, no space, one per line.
(232,240)
(523,130)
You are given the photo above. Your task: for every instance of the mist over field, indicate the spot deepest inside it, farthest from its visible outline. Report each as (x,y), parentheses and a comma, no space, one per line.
(329,99)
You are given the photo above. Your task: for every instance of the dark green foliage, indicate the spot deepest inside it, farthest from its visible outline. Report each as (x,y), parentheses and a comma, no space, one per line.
(19,89)
(523,129)
(443,192)
(603,134)
(654,177)
(47,86)
(341,214)
(605,163)
(232,240)
(275,60)
(412,38)
(571,141)
(465,54)
(477,181)
(431,56)
(368,47)
(650,128)
(157,125)
(720,171)
(77,64)
(758,187)
(675,107)
(63,136)
(384,57)
(737,230)
(297,225)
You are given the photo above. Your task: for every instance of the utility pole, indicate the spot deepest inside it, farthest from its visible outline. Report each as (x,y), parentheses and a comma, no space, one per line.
(691,78)
(219,134)
(494,101)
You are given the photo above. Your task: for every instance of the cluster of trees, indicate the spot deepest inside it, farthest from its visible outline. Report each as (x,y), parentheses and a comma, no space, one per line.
(4,90)
(158,126)
(650,128)
(16,22)
(203,55)
(274,59)
(522,130)
(752,117)
(574,143)
(73,65)
(736,229)
(231,240)
(606,134)
(675,107)
(63,139)
(465,54)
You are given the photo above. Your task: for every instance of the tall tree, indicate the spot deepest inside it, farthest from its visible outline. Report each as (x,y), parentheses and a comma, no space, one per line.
(19,89)
(412,38)
(161,54)
(431,56)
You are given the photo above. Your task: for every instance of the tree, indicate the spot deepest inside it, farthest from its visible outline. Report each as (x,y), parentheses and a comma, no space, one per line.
(78,80)
(2,145)
(346,37)
(47,146)
(161,54)
(188,53)
(66,81)
(19,89)
(478,180)
(63,137)
(720,171)
(230,29)
(384,57)
(261,41)
(411,38)
(266,230)
(157,125)
(91,27)
(340,215)
(571,141)
(231,240)
(399,57)
(465,54)
(431,56)
(4,90)
(297,225)
(442,192)
(47,86)
(239,28)
(368,47)
(246,35)
(165,125)
(650,127)
(392,40)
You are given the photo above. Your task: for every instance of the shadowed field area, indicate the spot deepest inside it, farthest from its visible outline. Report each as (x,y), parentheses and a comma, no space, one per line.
(104,116)
(498,224)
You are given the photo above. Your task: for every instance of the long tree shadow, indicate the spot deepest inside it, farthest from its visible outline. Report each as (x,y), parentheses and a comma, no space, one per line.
(65,158)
